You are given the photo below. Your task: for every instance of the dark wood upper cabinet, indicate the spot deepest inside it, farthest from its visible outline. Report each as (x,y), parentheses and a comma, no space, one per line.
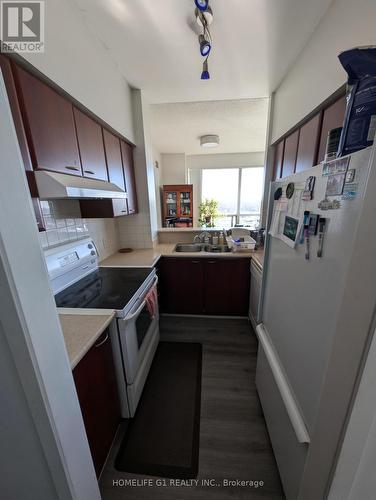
(291,151)
(6,69)
(130,182)
(49,125)
(104,209)
(90,143)
(308,144)
(95,381)
(278,159)
(332,118)
(113,159)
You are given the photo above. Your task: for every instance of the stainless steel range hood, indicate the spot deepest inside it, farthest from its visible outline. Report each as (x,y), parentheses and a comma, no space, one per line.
(52,185)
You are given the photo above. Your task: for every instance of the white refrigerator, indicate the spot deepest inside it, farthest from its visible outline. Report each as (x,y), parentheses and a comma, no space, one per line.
(317,314)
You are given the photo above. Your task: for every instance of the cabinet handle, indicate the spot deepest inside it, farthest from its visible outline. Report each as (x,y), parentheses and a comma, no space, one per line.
(89,172)
(123,211)
(70,167)
(212,261)
(195,261)
(102,342)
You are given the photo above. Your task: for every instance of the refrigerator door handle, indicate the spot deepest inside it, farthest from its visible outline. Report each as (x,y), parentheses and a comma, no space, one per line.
(287,396)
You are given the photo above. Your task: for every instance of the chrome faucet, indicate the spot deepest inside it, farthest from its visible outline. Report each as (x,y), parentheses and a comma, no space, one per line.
(204,237)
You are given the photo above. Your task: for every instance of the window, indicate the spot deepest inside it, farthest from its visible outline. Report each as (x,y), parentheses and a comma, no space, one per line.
(238,192)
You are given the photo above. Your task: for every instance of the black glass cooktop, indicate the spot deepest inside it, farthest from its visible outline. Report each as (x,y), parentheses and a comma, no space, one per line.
(106,288)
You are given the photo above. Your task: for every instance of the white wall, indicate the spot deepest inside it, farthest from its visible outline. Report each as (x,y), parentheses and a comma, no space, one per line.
(140,230)
(226,160)
(158,178)
(174,168)
(80,64)
(317,72)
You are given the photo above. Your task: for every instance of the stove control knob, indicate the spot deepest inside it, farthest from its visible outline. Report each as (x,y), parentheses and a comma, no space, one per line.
(90,246)
(92,252)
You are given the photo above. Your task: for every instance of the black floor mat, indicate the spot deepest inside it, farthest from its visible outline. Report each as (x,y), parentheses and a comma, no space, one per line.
(163,437)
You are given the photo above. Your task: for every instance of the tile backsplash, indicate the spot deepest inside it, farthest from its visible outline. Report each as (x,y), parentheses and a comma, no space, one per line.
(134,231)
(64,224)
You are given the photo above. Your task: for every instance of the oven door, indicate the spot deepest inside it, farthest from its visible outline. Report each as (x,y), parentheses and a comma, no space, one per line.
(137,331)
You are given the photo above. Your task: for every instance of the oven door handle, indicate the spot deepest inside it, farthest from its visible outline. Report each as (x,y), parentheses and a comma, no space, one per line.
(136,313)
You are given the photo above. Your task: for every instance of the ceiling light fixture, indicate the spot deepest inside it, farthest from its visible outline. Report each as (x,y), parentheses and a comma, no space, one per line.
(202,4)
(209,141)
(204,18)
(205,75)
(205,45)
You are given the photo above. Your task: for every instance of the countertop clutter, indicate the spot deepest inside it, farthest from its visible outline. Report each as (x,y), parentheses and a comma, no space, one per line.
(81,331)
(150,256)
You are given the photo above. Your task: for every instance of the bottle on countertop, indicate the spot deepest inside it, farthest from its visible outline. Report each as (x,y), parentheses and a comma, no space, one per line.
(215,239)
(221,240)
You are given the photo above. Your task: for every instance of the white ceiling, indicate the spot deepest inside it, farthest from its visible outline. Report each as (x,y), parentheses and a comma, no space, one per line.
(155,47)
(240,124)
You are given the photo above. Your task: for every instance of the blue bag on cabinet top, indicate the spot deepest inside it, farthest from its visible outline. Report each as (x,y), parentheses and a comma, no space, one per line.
(360,120)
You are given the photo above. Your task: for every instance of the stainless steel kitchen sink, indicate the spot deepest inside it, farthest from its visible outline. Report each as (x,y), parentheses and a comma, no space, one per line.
(188,247)
(217,248)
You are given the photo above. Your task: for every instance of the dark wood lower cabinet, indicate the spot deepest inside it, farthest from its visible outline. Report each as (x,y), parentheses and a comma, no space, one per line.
(227,286)
(96,387)
(181,285)
(217,286)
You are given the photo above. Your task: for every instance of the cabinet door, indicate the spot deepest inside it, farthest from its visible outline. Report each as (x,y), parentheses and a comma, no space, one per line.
(130,183)
(113,158)
(103,209)
(278,159)
(333,117)
(291,150)
(90,143)
(171,203)
(119,207)
(308,144)
(181,285)
(49,124)
(185,203)
(227,283)
(96,387)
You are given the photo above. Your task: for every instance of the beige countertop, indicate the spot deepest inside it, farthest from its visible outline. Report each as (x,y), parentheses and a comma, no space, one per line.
(149,257)
(81,330)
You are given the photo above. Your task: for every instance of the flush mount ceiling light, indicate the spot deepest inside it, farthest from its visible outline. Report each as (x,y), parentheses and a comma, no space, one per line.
(205,45)
(209,141)
(202,4)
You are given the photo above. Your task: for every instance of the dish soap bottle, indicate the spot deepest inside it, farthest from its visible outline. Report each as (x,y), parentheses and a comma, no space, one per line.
(221,240)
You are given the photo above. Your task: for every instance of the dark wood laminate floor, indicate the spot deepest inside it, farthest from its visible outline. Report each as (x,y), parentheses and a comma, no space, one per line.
(234,443)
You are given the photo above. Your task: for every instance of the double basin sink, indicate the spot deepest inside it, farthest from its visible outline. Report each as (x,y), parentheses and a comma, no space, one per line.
(196,247)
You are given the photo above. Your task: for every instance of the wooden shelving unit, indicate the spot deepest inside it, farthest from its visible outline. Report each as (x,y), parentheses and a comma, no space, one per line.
(178,205)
